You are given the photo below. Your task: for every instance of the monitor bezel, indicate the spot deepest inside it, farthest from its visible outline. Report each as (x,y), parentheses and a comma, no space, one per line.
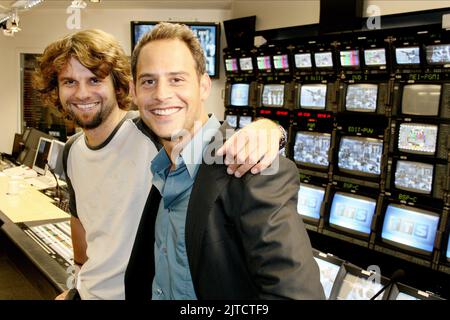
(426,54)
(395,165)
(349,67)
(400,106)
(402,288)
(312,108)
(335,261)
(248,94)
(267,56)
(310,219)
(311,56)
(307,164)
(281,54)
(407,65)
(375,66)
(39,170)
(333,60)
(362,110)
(253,64)
(273,106)
(397,139)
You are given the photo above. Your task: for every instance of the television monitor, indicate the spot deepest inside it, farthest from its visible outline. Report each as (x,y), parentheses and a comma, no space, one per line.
(208,34)
(273,95)
(240,32)
(27,156)
(232,120)
(41,156)
(414,176)
(407,55)
(239,94)
(231,65)
(246,64)
(310,200)
(356,287)
(303,60)
(352,213)
(421,99)
(323,59)
(264,63)
(410,228)
(362,156)
(361,97)
(328,274)
(375,57)
(244,120)
(312,148)
(313,96)
(401,291)
(18,145)
(417,138)
(280,61)
(438,54)
(349,58)
(55,159)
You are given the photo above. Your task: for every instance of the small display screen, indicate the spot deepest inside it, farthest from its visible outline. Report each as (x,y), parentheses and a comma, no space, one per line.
(358,288)
(244,120)
(361,97)
(349,58)
(411,227)
(312,148)
(310,200)
(40,160)
(328,274)
(421,99)
(323,59)
(414,176)
(55,159)
(246,64)
(264,63)
(418,138)
(360,155)
(405,296)
(375,57)
(438,54)
(281,61)
(239,94)
(353,213)
(231,65)
(273,95)
(303,60)
(313,96)
(407,55)
(232,120)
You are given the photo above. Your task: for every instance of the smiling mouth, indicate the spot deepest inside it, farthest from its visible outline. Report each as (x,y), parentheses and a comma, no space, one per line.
(165,111)
(85,106)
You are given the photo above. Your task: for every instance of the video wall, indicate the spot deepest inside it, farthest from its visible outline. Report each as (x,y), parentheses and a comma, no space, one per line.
(368,117)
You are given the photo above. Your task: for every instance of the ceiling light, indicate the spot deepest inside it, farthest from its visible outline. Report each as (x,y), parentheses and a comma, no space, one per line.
(26,4)
(78,4)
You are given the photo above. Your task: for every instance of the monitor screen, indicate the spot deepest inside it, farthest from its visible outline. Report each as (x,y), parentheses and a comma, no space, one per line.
(421,99)
(31,138)
(407,55)
(414,176)
(361,97)
(303,60)
(360,155)
(405,296)
(232,120)
(375,57)
(40,159)
(246,64)
(55,158)
(358,288)
(239,94)
(323,59)
(353,213)
(313,96)
(281,61)
(244,120)
(273,95)
(231,65)
(438,54)
(310,200)
(418,138)
(410,227)
(312,148)
(264,63)
(349,58)
(328,274)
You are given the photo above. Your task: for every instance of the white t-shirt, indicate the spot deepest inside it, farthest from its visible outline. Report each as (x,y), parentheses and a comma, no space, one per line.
(110,185)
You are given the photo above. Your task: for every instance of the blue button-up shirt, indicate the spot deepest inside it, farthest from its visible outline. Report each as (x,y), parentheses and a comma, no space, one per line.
(172,274)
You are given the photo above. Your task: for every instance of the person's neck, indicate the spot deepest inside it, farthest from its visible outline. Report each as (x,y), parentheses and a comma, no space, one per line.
(174,148)
(97,136)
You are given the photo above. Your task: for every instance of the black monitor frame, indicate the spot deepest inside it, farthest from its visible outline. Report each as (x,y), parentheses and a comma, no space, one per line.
(26,157)
(320,49)
(302,49)
(252,94)
(344,68)
(311,165)
(330,96)
(311,220)
(335,261)
(398,288)
(382,99)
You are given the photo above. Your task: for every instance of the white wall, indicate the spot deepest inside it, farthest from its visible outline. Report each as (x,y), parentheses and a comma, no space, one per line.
(42,26)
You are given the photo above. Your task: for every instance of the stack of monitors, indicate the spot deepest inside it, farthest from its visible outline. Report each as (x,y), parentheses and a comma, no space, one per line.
(410,228)
(239,96)
(273,95)
(330,268)
(313,96)
(310,199)
(312,149)
(352,213)
(360,156)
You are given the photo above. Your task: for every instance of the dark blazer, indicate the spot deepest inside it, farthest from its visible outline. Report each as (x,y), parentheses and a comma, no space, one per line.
(244,239)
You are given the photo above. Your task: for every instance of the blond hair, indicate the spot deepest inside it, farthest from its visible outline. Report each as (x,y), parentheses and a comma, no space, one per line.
(171,31)
(96,50)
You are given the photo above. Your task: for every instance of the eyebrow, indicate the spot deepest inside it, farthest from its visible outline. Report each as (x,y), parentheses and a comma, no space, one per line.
(176,73)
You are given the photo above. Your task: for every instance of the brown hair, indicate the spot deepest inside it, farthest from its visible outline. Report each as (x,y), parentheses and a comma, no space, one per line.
(97,50)
(171,31)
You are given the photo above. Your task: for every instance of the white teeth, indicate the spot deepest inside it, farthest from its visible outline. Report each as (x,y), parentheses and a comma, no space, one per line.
(165,112)
(86,106)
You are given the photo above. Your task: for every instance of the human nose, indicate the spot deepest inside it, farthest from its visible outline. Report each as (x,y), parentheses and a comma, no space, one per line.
(163,91)
(82,92)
